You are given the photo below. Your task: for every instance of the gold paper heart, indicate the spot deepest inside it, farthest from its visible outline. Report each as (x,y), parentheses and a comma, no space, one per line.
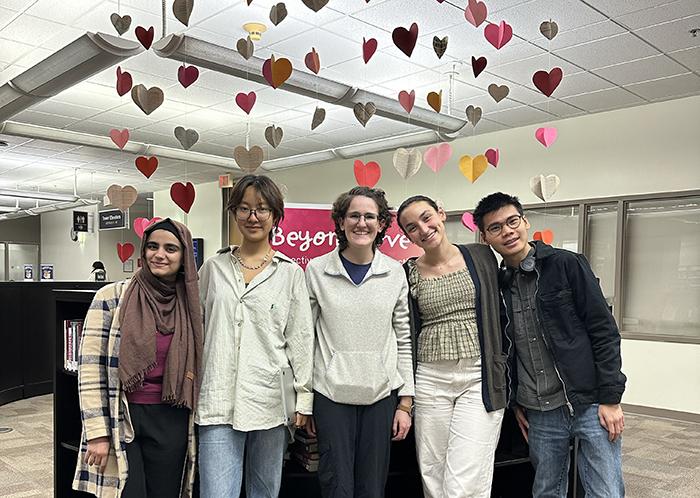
(473,168)
(187,138)
(183,10)
(435,100)
(498,92)
(278,13)
(319,117)
(122,197)
(120,23)
(364,111)
(245,47)
(273,135)
(248,160)
(549,29)
(407,162)
(148,100)
(473,114)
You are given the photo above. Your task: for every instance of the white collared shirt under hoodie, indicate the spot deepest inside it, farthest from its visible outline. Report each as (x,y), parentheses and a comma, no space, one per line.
(363,344)
(250,334)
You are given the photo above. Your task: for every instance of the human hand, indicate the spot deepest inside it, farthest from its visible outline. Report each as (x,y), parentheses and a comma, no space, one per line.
(97,452)
(401,425)
(521,417)
(300,420)
(612,418)
(310,426)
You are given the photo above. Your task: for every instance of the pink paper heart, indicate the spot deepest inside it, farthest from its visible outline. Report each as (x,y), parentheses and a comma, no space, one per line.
(492,156)
(468,221)
(140,224)
(475,13)
(546,136)
(407,100)
(368,49)
(436,156)
(187,75)
(498,35)
(246,101)
(119,137)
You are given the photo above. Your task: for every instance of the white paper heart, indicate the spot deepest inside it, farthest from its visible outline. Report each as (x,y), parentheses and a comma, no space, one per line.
(544,187)
(407,162)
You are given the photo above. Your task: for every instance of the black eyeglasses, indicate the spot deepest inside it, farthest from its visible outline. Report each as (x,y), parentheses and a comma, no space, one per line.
(513,222)
(261,213)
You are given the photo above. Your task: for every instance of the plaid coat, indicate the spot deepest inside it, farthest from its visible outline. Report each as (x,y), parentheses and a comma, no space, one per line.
(103,406)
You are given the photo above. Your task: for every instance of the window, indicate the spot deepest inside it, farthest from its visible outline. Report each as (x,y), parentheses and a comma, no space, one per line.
(562,221)
(601,235)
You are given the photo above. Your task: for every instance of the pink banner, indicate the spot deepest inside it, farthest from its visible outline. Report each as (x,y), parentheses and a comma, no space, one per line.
(308,232)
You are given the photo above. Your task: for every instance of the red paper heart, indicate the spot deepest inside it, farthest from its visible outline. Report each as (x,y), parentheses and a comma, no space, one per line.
(147,165)
(478,65)
(405,39)
(367,175)
(246,101)
(187,75)
(492,156)
(547,82)
(498,34)
(546,236)
(124,82)
(407,100)
(312,61)
(140,224)
(475,13)
(145,36)
(119,137)
(368,49)
(182,195)
(125,251)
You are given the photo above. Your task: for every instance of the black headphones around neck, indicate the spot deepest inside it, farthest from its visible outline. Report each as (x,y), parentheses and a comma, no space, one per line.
(506,273)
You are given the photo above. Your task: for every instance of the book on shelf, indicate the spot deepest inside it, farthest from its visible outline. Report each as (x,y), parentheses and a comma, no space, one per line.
(73,331)
(310,465)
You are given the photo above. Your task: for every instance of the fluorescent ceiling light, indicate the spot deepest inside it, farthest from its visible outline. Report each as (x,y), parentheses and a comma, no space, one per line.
(299,159)
(42,196)
(382,144)
(9,209)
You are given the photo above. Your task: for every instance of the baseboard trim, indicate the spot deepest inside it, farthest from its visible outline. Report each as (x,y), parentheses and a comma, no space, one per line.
(662,412)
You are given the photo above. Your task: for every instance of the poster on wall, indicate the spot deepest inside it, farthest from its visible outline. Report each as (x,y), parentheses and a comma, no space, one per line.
(46,272)
(308,231)
(28,272)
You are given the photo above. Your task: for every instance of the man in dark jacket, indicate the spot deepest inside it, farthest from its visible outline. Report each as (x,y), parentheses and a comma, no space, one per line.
(564,355)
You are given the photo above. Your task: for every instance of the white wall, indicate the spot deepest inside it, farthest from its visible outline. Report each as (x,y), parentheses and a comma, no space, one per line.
(71,260)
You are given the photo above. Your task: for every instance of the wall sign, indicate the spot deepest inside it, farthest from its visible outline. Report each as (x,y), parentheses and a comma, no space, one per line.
(113,219)
(80,221)
(28,272)
(46,272)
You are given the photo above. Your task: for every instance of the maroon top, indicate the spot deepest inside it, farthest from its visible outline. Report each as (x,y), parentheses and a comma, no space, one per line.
(151,393)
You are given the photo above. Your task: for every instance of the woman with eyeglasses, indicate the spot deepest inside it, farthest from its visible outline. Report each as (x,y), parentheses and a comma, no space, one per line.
(258,351)
(461,365)
(363,378)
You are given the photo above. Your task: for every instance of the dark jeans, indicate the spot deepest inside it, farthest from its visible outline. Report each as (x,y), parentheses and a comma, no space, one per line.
(354,445)
(157,454)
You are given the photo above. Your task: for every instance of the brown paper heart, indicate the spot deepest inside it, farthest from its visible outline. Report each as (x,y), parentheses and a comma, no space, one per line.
(186,137)
(473,114)
(435,100)
(498,92)
(245,47)
(273,135)
(315,5)
(248,160)
(183,10)
(549,29)
(439,45)
(120,23)
(364,111)
(148,100)
(407,162)
(278,13)
(319,117)
(122,197)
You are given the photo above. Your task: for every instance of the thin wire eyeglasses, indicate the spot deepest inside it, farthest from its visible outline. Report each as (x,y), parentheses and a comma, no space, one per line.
(355,218)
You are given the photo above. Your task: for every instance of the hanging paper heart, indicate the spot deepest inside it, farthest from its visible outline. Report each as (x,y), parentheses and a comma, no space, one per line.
(368,49)
(468,221)
(183,195)
(364,111)
(478,65)
(125,251)
(248,160)
(367,175)
(407,162)
(318,117)
(473,114)
(546,236)
(436,156)
(498,92)
(145,36)
(549,29)
(546,136)
(121,24)
(186,137)
(120,197)
(276,71)
(246,101)
(278,13)
(440,46)
(547,82)
(544,187)
(148,100)
(435,100)
(140,224)
(124,82)
(475,13)
(273,135)
(119,137)
(187,75)
(492,156)
(407,100)
(473,168)
(405,39)
(498,35)
(315,5)
(245,47)
(147,165)
(183,10)
(312,61)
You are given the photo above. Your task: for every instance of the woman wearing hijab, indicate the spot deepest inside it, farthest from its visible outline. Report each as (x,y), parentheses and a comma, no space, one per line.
(138,379)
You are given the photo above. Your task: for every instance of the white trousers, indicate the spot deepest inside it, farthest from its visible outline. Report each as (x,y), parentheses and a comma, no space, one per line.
(456,437)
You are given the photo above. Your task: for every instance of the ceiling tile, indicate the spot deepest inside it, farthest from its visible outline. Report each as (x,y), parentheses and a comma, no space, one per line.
(581,82)
(665,88)
(649,68)
(486,103)
(332,49)
(674,35)
(559,108)
(660,13)
(430,16)
(68,110)
(520,116)
(33,57)
(522,71)
(43,119)
(591,32)
(60,10)
(30,29)
(6,15)
(689,57)
(615,8)
(608,51)
(12,50)
(611,98)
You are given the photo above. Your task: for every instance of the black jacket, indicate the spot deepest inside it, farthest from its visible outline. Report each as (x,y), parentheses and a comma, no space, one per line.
(577,326)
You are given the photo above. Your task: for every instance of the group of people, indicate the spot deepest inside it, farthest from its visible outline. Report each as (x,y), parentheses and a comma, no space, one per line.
(214,370)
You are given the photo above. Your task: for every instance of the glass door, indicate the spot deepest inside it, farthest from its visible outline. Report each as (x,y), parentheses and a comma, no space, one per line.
(20,255)
(3,251)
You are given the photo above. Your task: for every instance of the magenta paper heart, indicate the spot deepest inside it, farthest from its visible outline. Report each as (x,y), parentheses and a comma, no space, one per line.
(498,35)
(407,100)
(187,75)
(547,82)
(436,156)
(119,137)
(368,49)
(546,136)
(140,224)
(475,13)
(492,156)
(246,102)
(124,82)
(468,221)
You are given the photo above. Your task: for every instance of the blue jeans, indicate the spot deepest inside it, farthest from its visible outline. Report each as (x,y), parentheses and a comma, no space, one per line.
(600,461)
(221,451)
